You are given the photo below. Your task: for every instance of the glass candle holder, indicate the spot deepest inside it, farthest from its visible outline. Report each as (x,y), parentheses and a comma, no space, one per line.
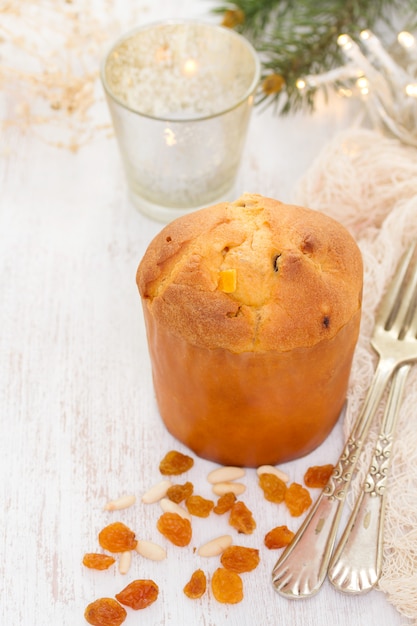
(180,94)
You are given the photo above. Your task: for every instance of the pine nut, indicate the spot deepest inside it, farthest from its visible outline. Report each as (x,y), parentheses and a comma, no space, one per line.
(225,474)
(125,561)
(155,493)
(120,503)
(172,507)
(270,469)
(221,488)
(216,546)
(151,550)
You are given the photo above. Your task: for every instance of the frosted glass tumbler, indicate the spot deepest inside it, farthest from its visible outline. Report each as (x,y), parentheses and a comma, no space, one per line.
(180,95)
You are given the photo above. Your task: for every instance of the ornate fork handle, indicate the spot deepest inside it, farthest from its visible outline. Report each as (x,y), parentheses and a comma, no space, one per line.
(357,561)
(302,567)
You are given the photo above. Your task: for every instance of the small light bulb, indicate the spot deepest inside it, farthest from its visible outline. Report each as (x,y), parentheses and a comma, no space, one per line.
(344,41)
(363,85)
(365,34)
(301,84)
(406,39)
(411,90)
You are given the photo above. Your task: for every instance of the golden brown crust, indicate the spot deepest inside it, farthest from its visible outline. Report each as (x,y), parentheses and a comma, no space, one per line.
(299,276)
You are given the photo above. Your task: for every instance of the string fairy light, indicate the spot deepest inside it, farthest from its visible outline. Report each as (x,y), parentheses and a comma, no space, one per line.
(388,88)
(340,74)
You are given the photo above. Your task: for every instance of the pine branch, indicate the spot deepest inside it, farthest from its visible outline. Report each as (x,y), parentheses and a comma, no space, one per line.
(298,38)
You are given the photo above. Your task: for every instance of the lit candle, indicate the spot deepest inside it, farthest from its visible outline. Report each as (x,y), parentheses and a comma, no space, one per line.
(180,95)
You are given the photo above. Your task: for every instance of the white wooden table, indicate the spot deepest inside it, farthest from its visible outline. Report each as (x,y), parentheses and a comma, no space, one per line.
(79,424)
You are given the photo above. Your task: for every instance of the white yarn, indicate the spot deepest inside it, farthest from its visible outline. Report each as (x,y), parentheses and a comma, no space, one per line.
(369,183)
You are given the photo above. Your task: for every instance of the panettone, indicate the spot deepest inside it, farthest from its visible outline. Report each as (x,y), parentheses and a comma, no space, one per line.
(252,311)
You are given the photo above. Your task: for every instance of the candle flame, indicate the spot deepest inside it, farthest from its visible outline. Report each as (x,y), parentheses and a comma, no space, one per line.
(190,67)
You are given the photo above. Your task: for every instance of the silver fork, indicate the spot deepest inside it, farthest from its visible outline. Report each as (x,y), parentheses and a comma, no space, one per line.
(356,564)
(302,567)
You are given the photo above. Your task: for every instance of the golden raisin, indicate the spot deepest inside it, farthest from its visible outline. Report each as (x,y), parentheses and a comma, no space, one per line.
(196,586)
(199,506)
(273,487)
(105,612)
(175,463)
(94,560)
(278,537)
(225,503)
(178,493)
(138,594)
(297,499)
(175,528)
(117,537)
(316,477)
(241,518)
(240,559)
(227,586)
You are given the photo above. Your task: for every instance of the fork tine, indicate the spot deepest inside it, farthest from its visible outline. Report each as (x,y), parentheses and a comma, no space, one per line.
(412,329)
(389,303)
(403,318)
